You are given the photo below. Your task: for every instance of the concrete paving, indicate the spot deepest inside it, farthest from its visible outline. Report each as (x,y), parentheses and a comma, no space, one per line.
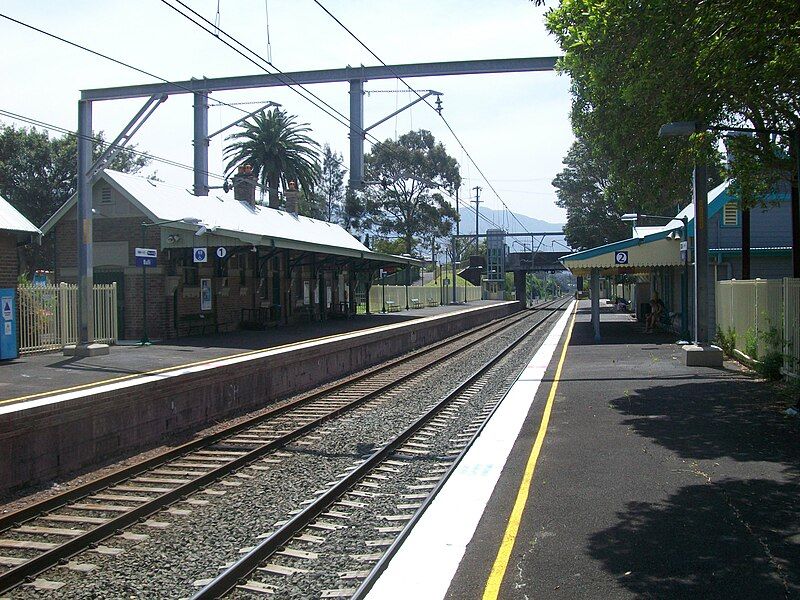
(655,480)
(46,373)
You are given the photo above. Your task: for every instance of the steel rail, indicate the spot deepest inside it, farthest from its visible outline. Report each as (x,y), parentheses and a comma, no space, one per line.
(228,579)
(49,504)
(49,558)
(376,571)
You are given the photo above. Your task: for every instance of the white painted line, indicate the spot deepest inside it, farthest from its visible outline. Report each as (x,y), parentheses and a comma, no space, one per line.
(426,563)
(100,388)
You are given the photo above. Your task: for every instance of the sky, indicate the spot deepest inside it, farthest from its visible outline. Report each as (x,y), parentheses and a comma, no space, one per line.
(515,126)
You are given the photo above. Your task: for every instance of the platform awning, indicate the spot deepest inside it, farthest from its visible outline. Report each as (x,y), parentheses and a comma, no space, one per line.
(634,255)
(230,222)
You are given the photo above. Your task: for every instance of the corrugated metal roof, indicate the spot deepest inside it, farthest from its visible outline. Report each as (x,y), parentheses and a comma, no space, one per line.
(13,220)
(228,217)
(223,212)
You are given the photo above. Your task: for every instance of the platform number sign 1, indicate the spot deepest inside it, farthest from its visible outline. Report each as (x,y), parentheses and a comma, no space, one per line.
(621,257)
(222,252)
(200,255)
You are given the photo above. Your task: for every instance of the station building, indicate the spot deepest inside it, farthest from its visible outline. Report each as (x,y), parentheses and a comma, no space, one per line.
(652,261)
(223,260)
(15,230)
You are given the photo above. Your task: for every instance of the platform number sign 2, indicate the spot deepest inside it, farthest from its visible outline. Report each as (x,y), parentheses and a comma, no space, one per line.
(621,257)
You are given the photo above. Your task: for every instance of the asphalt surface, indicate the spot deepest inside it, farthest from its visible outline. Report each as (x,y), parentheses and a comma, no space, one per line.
(49,372)
(655,481)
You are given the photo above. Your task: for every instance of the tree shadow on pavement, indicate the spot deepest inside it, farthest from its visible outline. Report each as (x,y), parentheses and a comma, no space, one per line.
(711,418)
(732,539)
(736,537)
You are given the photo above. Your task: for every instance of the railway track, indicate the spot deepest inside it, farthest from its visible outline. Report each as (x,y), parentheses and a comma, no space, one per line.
(382,496)
(41,536)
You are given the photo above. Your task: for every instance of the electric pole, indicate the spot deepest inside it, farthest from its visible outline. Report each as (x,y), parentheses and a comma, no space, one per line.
(477,202)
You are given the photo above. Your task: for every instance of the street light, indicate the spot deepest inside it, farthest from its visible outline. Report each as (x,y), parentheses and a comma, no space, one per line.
(145,340)
(634,217)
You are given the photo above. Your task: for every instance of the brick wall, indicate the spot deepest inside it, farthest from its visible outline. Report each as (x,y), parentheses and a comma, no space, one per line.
(168,296)
(9,265)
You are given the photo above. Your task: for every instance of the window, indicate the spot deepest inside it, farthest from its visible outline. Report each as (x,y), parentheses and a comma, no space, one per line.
(730,215)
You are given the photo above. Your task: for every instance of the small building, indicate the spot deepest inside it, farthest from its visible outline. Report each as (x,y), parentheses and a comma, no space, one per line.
(651,257)
(222,262)
(15,230)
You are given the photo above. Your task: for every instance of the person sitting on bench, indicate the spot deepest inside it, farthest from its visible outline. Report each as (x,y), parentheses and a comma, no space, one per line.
(656,310)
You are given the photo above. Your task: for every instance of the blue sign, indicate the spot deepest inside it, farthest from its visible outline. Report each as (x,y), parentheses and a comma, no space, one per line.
(8,325)
(143,261)
(200,255)
(621,257)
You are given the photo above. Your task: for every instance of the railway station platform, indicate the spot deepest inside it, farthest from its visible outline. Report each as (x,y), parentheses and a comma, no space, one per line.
(36,375)
(612,470)
(60,414)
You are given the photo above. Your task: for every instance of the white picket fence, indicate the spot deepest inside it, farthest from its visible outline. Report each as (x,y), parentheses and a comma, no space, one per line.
(393,297)
(757,305)
(48,316)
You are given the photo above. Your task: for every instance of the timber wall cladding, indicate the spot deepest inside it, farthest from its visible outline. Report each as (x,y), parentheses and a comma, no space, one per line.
(43,443)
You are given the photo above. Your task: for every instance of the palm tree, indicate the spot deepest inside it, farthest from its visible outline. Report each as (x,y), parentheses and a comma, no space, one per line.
(278,149)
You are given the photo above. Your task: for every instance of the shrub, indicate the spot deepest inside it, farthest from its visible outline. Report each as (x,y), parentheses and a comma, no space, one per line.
(770,365)
(726,340)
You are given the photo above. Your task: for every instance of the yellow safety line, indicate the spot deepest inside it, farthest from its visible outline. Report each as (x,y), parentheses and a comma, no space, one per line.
(492,589)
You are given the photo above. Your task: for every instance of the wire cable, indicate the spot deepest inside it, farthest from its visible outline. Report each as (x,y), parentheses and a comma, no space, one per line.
(444,120)
(285,78)
(114,60)
(50,126)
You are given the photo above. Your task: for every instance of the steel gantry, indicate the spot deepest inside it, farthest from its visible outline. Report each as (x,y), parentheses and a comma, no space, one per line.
(200,89)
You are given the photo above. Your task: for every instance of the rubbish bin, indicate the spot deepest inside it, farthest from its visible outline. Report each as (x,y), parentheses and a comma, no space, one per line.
(8,325)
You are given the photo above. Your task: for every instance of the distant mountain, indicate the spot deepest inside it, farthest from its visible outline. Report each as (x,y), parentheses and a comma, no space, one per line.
(507,222)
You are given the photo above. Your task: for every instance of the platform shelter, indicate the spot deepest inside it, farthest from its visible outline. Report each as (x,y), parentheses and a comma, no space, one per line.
(215,263)
(652,261)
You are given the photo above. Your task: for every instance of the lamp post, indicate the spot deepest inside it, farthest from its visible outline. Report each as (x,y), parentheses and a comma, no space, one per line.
(633,217)
(145,340)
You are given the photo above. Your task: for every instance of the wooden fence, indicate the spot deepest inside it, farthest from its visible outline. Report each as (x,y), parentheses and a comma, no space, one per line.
(48,316)
(752,308)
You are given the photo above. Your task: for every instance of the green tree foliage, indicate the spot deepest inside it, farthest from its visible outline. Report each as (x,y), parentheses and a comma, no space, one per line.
(411,169)
(635,65)
(331,184)
(38,173)
(278,149)
(593,218)
(389,246)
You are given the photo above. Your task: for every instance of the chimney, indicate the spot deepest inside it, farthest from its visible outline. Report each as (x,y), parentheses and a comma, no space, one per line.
(292,196)
(244,185)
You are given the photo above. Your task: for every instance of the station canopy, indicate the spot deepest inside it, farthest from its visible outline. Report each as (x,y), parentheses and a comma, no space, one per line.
(648,247)
(230,222)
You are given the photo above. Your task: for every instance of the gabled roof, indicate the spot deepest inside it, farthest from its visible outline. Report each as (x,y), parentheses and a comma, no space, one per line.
(228,217)
(13,220)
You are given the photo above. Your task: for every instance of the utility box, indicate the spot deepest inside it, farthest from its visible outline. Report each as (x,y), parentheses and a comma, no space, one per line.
(8,324)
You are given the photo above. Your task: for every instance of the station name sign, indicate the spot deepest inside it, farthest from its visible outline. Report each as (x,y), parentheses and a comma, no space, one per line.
(146,257)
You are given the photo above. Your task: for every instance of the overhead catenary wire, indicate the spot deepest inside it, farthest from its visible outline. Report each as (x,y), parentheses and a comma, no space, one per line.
(444,119)
(243,51)
(64,130)
(115,60)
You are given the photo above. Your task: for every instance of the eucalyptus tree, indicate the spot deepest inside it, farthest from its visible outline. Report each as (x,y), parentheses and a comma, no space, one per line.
(408,177)
(279,149)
